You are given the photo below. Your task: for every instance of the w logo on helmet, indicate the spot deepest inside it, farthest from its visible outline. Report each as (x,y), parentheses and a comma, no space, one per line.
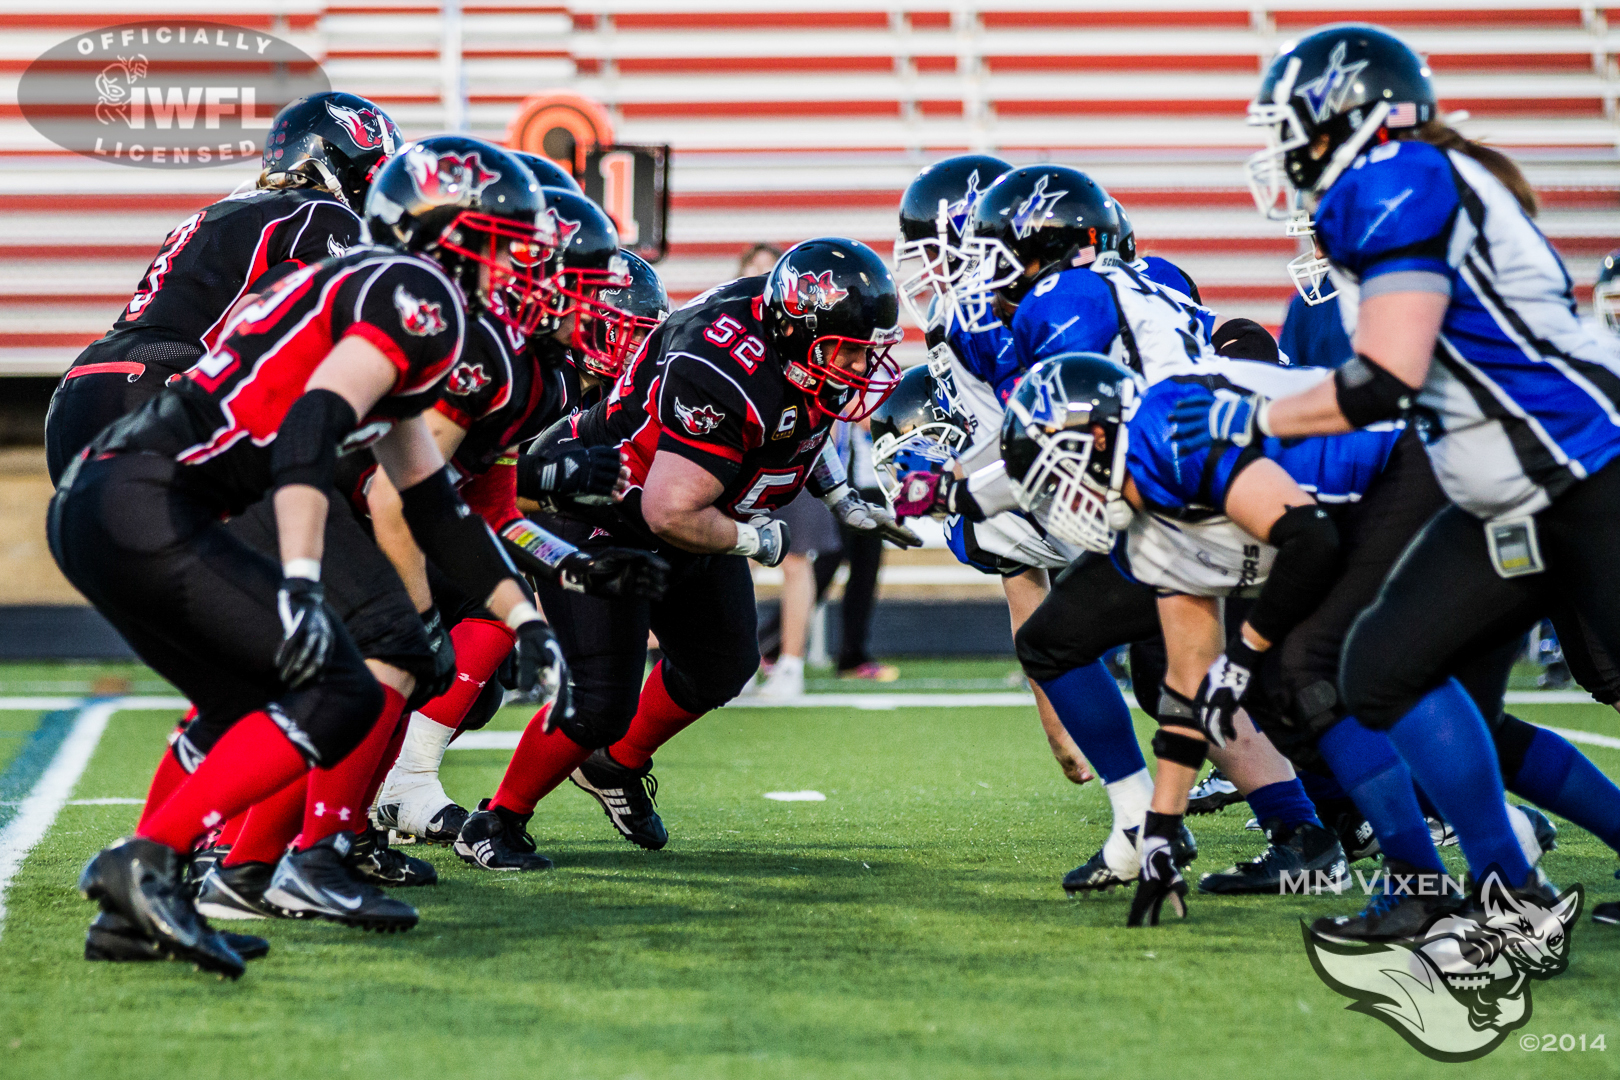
(1033,210)
(957,212)
(1325,94)
(805,294)
(368,130)
(443,178)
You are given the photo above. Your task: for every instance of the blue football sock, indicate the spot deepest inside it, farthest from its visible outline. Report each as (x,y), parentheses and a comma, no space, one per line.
(1285,800)
(1557,777)
(1321,788)
(1381,785)
(1094,713)
(1444,743)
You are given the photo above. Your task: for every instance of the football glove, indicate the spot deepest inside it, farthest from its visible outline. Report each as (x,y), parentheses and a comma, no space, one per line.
(1203,418)
(306,630)
(585,474)
(922,494)
(616,573)
(542,671)
(856,513)
(1220,695)
(1158,880)
(444,656)
(763,539)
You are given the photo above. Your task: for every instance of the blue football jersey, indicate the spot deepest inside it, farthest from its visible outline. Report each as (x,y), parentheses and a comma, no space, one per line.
(1333,468)
(1166,273)
(1522,399)
(988,356)
(1114,309)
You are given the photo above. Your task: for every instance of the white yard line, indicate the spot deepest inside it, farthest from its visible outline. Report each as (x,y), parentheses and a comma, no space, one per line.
(120,704)
(1587,737)
(38,811)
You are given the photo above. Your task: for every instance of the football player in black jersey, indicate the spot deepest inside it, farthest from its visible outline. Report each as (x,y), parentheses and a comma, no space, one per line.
(319,158)
(335,356)
(723,416)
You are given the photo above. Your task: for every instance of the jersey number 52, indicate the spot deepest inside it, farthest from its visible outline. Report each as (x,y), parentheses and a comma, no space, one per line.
(748,350)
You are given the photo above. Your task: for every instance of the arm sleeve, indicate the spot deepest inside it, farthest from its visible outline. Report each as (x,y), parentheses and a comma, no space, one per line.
(1391,216)
(705,417)
(410,314)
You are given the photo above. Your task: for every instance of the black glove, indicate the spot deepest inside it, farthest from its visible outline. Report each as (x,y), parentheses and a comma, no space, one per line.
(543,671)
(444,657)
(616,573)
(587,474)
(306,630)
(1221,693)
(1159,879)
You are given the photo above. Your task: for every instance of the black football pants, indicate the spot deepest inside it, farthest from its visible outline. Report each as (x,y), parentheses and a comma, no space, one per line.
(705,624)
(1444,603)
(111,378)
(199,606)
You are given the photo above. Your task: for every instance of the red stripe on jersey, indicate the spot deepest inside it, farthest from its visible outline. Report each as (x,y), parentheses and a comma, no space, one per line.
(727,452)
(120,367)
(493,495)
(640,447)
(389,348)
(260,263)
(453,414)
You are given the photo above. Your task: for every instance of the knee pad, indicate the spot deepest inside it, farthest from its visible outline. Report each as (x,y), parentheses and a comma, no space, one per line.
(329,719)
(1512,737)
(485,707)
(1171,745)
(712,685)
(603,707)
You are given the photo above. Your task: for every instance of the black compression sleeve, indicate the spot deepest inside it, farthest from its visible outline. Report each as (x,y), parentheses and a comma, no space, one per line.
(1306,566)
(456,539)
(306,445)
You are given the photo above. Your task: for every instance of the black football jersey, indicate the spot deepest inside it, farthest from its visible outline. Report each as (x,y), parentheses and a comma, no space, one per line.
(504,391)
(208,260)
(707,386)
(221,416)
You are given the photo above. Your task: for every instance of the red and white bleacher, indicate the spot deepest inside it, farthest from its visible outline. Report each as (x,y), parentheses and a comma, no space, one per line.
(788,124)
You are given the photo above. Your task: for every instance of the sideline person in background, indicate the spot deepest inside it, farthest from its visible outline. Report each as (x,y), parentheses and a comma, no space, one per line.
(758,260)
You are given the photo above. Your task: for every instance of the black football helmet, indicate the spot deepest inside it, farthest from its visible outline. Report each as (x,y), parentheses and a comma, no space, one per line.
(832,312)
(585,260)
(548,172)
(332,141)
(913,430)
(1126,245)
(1064,438)
(621,319)
(1606,293)
(474,209)
(1355,84)
(1046,217)
(934,211)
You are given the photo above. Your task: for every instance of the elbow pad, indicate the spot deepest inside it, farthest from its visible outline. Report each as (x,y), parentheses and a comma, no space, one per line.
(1306,566)
(1367,393)
(457,540)
(306,445)
(827,475)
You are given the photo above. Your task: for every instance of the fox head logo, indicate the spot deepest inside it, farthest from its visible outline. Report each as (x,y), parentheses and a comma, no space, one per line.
(419,317)
(805,294)
(448,178)
(365,127)
(1456,990)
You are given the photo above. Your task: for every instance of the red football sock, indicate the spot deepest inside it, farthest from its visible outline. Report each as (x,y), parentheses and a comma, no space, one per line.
(481,645)
(541,762)
(658,719)
(170,775)
(390,755)
(336,798)
(270,826)
(232,829)
(253,761)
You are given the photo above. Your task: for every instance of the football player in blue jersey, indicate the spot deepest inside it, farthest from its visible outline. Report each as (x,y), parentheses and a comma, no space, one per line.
(1466,318)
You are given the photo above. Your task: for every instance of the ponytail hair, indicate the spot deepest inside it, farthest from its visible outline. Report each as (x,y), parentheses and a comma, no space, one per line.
(1436,133)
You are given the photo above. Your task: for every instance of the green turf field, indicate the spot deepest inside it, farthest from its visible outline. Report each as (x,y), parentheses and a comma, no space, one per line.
(909,926)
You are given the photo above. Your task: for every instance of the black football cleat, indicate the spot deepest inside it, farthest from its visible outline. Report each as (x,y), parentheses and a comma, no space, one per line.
(409,824)
(1355,835)
(374,860)
(1607,913)
(494,838)
(1095,875)
(1309,849)
(142,882)
(1541,826)
(1214,792)
(237,892)
(320,882)
(627,796)
(1389,916)
(202,862)
(113,938)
